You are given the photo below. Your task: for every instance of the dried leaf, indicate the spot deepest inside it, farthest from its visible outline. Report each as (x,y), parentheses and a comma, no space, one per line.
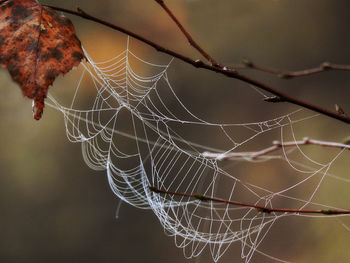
(36,45)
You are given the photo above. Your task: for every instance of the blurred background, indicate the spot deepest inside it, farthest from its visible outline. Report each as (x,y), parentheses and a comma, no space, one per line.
(55,209)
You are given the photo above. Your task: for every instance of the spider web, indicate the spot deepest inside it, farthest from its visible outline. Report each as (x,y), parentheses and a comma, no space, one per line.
(140,132)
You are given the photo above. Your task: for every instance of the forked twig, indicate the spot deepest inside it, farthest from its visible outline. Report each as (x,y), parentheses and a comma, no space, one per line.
(259,208)
(276,146)
(247,63)
(225,70)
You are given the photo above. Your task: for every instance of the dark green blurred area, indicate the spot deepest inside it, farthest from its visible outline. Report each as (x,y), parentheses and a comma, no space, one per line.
(55,209)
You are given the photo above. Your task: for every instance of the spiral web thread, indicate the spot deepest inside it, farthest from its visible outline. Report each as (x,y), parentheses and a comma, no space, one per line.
(136,129)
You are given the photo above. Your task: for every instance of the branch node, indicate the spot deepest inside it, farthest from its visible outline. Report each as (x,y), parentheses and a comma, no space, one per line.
(306,140)
(277,143)
(274,99)
(329,212)
(200,197)
(216,64)
(264,210)
(339,109)
(326,65)
(198,63)
(285,75)
(81,11)
(246,62)
(153,189)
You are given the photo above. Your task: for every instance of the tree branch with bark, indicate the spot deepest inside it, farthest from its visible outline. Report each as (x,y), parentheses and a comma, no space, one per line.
(213,66)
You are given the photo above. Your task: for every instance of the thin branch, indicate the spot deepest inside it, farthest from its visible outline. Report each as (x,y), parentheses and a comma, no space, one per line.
(190,39)
(325,66)
(225,70)
(276,146)
(262,209)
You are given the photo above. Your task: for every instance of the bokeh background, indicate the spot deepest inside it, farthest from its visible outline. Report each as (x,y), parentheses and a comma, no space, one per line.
(55,209)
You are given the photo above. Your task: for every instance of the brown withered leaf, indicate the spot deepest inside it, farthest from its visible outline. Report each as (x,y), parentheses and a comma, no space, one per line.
(36,45)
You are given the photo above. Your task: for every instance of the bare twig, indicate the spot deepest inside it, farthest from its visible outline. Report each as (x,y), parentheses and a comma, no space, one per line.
(190,39)
(325,66)
(259,208)
(225,70)
(276,146)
